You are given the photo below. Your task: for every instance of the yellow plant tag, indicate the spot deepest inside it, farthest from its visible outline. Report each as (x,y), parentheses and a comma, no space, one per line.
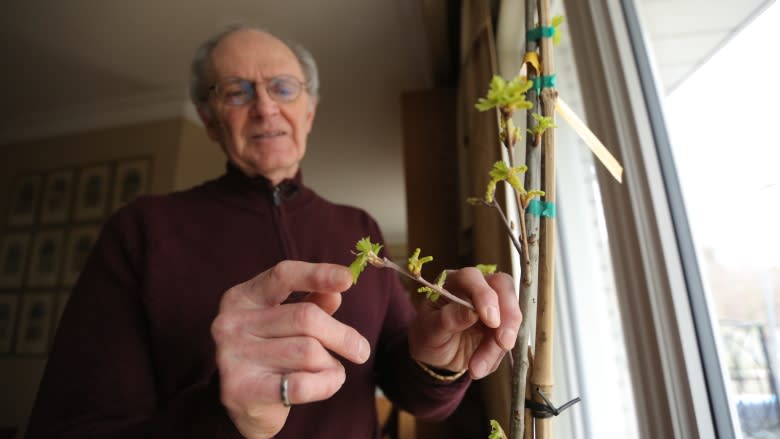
(599,150)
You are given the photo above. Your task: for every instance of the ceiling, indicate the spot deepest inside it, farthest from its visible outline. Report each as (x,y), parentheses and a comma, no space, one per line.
(684,34)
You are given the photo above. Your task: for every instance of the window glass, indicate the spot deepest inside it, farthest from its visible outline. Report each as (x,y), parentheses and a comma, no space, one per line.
(721,98)
(588,307)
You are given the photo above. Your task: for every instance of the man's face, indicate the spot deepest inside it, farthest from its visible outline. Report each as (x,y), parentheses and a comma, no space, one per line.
(263,137)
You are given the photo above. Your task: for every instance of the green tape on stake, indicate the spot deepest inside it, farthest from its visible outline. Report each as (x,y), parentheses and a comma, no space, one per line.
(535,208)
(549,210)
(541,208)
(544,82)
(538,33)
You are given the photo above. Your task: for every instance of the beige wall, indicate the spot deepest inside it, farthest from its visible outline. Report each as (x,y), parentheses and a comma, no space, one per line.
(182,156)
(199,158)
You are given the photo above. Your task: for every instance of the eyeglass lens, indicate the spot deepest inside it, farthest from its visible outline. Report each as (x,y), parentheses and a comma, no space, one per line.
(241,91)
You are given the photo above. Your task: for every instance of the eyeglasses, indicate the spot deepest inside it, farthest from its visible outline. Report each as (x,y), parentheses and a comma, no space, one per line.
(237,91)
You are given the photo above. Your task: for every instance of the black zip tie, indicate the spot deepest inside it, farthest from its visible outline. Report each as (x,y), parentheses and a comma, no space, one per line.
(547,410)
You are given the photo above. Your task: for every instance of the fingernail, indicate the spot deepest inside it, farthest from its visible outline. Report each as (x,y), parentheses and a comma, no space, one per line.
(491,315)
(481,370)
(507,338)
(464,314)
(339,276)
(364,350)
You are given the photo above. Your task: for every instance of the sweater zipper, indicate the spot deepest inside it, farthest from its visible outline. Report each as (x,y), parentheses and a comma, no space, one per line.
(279,220)
(283,237)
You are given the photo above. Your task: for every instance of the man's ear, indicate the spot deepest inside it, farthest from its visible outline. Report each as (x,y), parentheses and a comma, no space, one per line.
(311,111)
(207,117)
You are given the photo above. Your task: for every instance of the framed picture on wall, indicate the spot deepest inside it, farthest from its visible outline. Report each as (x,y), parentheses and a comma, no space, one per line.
(92,192)
(14,249)
(80,242)
(35,317)
(57,196)
(23,205)
(131,179)
(9,304)
(46,258)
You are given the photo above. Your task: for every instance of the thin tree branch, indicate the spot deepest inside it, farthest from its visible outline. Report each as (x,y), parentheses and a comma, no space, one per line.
(387,263)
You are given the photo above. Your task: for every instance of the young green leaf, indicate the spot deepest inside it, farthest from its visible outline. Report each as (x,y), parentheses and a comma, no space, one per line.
(365,250)
(430,293)
(441,279)
(530,195)
(490,191)
(542,124)
(415,262)
(508,126)
(486,269)
(496,432)
(556,22)
(502,172)
(506,96)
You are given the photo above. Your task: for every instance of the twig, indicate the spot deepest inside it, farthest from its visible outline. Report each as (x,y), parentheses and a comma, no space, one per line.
(522,422)
(508,226)
(387,263)
(510,146)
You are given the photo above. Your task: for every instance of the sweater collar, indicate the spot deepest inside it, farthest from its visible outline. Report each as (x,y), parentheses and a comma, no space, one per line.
(288,191)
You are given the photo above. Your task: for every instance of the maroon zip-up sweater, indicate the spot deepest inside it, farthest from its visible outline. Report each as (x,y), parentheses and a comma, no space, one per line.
(134,358)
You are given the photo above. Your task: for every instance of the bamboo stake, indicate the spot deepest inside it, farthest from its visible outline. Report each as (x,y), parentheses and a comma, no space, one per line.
(542,378)
(520,420)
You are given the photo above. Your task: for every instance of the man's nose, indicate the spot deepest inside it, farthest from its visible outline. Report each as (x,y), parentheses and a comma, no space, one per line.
(263,104)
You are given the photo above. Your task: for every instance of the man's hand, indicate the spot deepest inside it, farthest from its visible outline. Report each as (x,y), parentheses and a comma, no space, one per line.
(454,338)
(259,341)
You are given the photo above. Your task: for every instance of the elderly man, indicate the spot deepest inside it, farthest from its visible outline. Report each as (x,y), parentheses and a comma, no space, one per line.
(171,331)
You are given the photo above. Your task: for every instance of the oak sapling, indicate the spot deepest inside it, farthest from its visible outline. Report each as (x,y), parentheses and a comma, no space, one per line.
(506,97)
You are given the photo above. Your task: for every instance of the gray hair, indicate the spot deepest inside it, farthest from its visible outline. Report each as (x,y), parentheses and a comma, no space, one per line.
(202,68)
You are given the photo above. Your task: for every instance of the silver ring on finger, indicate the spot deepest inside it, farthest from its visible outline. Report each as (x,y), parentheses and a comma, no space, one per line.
(284,390)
